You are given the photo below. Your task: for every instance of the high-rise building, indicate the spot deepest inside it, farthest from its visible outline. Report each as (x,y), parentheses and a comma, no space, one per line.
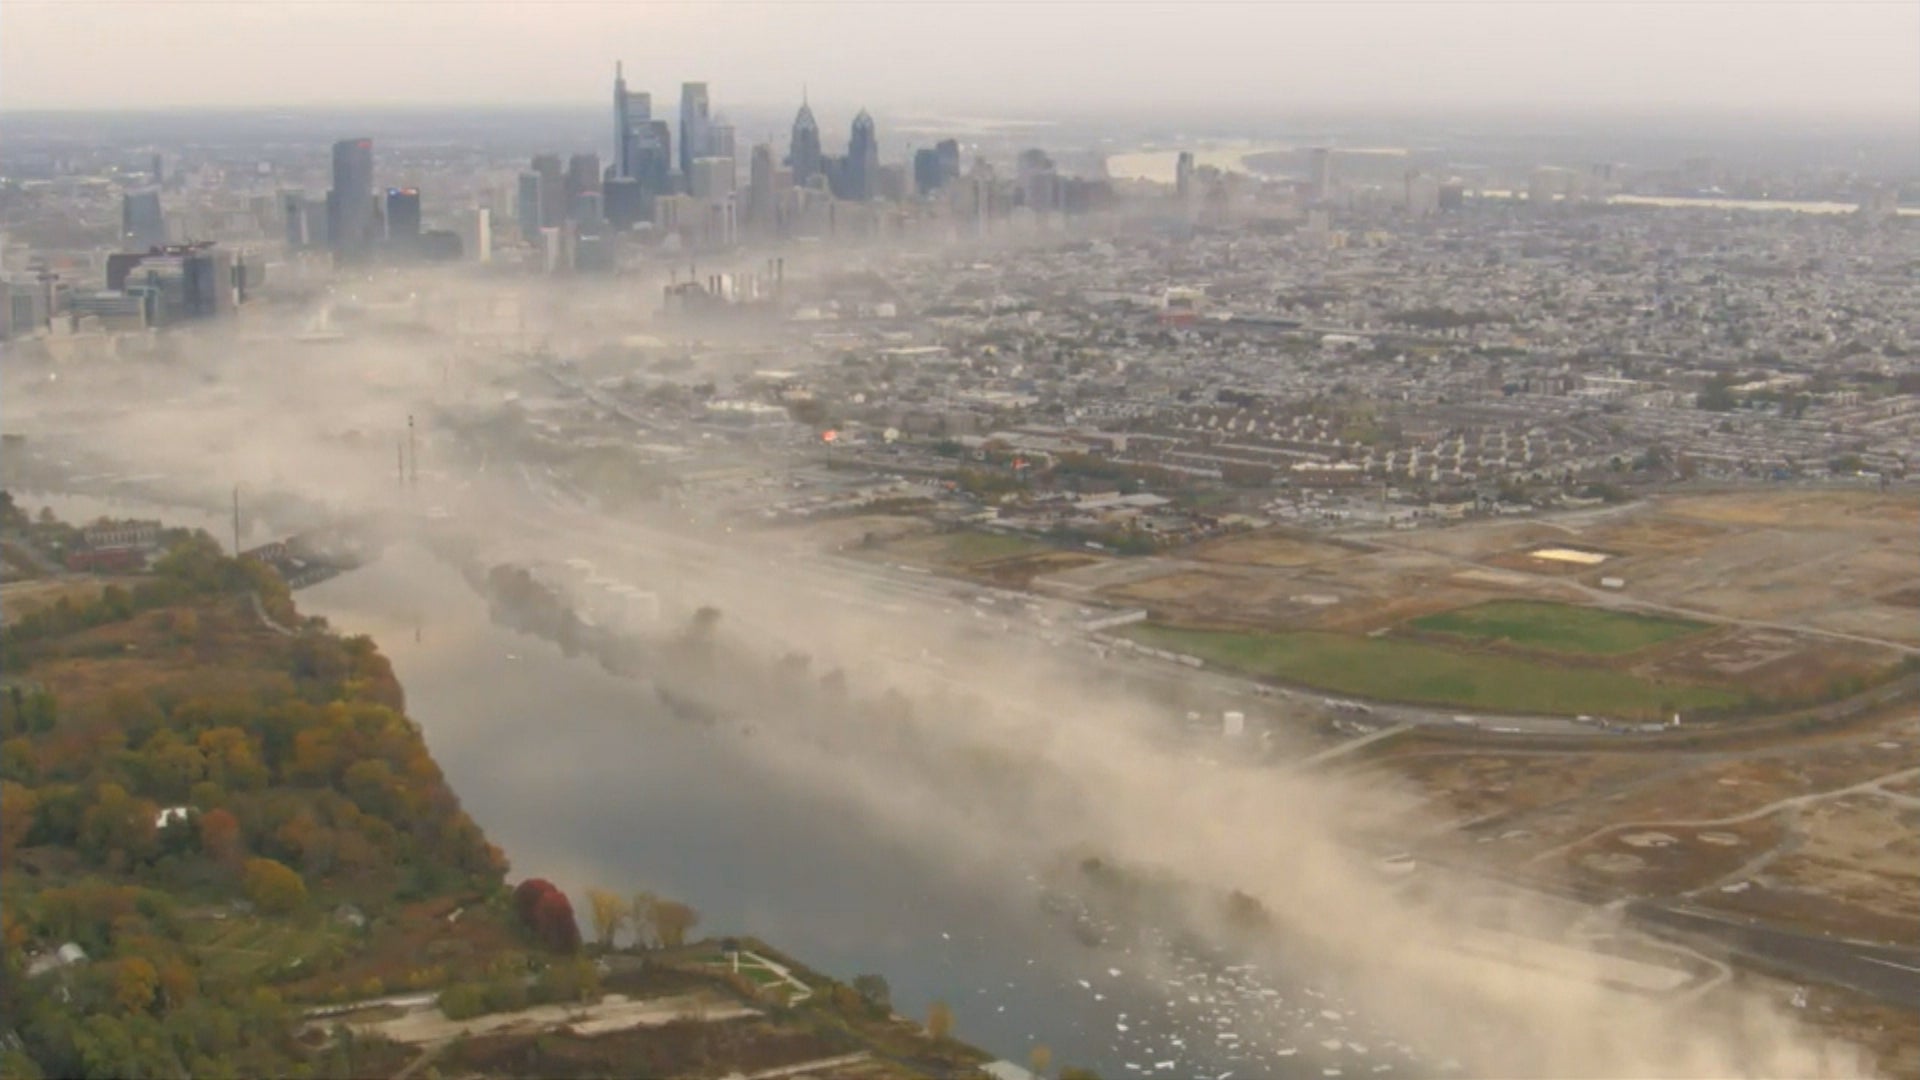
(863,158)
(1320,174)
(652,163)
(527,210)
(585,209)
(625,202)
(403,216)
(711,178)
(1183,176)
(553,188)
(720,140)
(476,234)
(293,205)
(583,175)
(350,208)
(762,208)
(694,120)
(949,151)
(926,170)
(803,151)
(141,224)
(632,112)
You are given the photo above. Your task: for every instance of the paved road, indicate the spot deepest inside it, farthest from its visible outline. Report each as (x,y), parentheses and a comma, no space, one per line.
(1887,972)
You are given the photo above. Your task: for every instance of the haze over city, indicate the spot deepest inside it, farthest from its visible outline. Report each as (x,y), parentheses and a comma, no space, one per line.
(1838,61)
(959,540)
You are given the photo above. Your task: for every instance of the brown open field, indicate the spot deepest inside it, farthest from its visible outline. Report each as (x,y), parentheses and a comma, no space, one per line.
(1666,860)
(1852,866)
(1269,548)
(835,534)
(1746,509)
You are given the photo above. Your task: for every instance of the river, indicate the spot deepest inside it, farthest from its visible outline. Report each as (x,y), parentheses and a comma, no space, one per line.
(582,778)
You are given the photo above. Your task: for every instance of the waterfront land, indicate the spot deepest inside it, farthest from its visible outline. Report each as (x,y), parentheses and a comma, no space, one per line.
(227,851)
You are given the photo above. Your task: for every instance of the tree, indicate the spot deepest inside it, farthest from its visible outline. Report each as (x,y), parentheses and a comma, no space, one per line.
(1075,1072)
(526,897)
(17,806)
(671,920)
(940,1020)
(609,912)
(646,933)
(273,886)
(1040,1059)
(134,982)
(554,924)
(220,835)
(875,990)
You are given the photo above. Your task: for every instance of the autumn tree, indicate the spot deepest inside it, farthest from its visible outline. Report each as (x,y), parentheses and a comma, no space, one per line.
(672,920)
(940,1020)
(17,806)
(645,934)
(1040,1059)
(220,835)
(609,912)
(526,896)
(554,924)
(134,983)
(273,886)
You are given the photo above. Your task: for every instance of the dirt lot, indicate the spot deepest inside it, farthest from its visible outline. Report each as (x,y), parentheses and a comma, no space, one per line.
(1270,548)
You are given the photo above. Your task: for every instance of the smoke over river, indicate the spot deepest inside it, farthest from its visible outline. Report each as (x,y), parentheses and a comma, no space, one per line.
(1003,828)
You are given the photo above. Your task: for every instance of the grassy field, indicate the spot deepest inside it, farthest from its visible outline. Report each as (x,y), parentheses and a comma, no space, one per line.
(967,548)
(1561,628)
(1389,670)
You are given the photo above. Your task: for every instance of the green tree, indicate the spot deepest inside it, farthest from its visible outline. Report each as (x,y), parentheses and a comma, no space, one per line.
(274,887)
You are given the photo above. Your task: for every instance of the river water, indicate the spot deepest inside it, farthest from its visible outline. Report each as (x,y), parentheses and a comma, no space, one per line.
(582,778)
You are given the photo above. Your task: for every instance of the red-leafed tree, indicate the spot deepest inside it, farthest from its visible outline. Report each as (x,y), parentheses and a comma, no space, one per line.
(526,896)
(554,924)
(220,834)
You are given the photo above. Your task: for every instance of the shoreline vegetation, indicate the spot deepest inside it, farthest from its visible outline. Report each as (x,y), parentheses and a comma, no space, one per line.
(227,851)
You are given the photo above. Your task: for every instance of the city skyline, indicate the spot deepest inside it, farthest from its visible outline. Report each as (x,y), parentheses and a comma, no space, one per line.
(1849,60)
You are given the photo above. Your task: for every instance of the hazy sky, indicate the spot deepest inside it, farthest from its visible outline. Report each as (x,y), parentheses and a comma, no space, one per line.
(1827,57)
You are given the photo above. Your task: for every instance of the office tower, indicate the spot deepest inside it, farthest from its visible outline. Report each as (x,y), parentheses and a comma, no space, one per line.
(653,158)
(1320,174)
(803,151)
(585,210)
(583,175)
(141,223)
(527,209)
(1183,175)
(926,170)
(693,125)
(624,201)
(403,216)
(863,158)
(294,205)
(949,151)
(632,111)
(720,140)
(350,202)
(760,189)
(553,188)
(711,178)
(476,234)
(159,171)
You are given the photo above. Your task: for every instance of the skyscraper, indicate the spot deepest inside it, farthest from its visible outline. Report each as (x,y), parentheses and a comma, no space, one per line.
(760,190)
(553,188)
(403,216)
(583,175)
(949,151)
(694,120)
(926,170)
(1320,173)
(863,158)
(527,208)
(1183,175)
(141,224)
(652,163)
(803,152)
(632,112)
(350,201)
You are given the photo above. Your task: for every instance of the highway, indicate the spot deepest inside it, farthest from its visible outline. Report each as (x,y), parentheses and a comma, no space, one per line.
(1886,972)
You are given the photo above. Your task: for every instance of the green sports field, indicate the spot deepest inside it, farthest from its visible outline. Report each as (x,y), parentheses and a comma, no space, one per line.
(1417,672)
(1560,628)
